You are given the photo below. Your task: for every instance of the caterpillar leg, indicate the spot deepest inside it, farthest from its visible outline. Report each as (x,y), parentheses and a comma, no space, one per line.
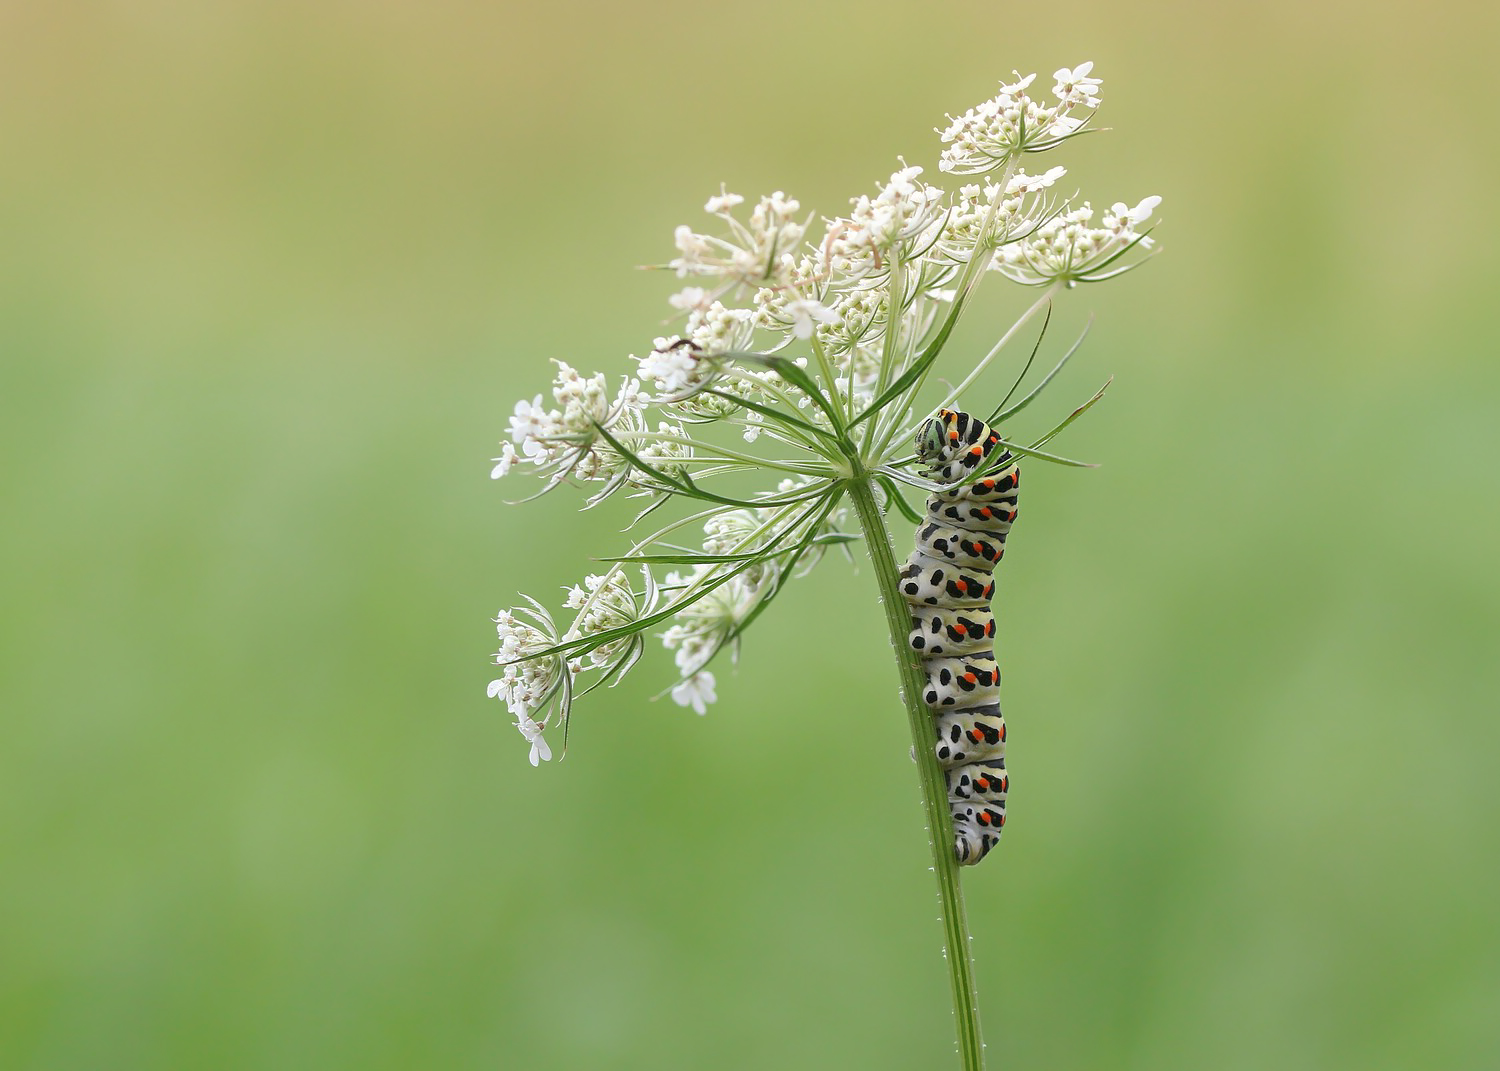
(976,800)
(975,831)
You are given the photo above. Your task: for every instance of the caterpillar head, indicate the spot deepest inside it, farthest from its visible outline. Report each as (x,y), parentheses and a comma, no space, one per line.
(932,439)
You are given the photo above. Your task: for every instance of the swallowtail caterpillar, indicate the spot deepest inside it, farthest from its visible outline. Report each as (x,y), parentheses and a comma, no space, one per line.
(948,582)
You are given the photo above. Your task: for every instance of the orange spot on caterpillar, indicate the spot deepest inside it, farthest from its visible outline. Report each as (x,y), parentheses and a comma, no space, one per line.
(970,677)
(977,451)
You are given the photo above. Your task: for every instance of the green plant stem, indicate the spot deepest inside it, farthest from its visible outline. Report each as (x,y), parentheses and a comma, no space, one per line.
(934,786)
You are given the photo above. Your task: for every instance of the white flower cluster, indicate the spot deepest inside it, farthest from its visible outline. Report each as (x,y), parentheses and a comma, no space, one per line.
(574,438)
(706,626)
(863,244)
(996,132)
(746,257)
(530,680)
(537,677)
(605,602)
(703,628)
(860,310)
(676,366)
(1067,248)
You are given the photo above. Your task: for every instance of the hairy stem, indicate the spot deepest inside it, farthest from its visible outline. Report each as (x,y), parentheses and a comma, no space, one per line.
(934,787)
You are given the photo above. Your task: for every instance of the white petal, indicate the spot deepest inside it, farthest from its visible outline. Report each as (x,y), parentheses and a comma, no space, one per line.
(1142,212)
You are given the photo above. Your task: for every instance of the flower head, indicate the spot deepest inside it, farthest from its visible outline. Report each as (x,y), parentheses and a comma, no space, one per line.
(993,134)
(803,358)
(1069,249)
(530,679)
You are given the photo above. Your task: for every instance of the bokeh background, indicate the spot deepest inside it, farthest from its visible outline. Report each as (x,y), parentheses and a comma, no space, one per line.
(274,274)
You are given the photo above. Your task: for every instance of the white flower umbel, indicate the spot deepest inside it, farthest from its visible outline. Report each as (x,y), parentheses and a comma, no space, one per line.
(747,254)
(799,365)
(1068,249)
(993,134)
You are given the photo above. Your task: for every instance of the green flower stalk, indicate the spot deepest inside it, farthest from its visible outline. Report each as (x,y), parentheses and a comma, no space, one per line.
(806,356)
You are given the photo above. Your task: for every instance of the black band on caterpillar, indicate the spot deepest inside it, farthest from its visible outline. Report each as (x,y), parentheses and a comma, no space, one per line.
(948,584)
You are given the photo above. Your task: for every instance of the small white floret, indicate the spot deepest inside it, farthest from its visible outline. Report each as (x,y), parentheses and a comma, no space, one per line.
(540,752)
(696,692)
(806,313)
(528,422)
(722,202)
(1142,212)
(689,298)
(673,368)
(1017,87)
(507,458)
(1024,183)
(1075,87)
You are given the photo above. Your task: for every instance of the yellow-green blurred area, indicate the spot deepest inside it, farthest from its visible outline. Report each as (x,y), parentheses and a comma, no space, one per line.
(272,276)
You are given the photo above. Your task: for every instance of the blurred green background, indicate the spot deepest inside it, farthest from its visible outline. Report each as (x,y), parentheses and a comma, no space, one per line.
(273,276)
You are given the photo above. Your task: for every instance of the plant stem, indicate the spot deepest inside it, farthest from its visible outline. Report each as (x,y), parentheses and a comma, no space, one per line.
(934,786)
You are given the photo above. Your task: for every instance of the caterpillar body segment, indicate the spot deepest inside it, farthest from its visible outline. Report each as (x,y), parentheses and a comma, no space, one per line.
(952,630)
(984,780)
(927,581)
(962,683)
(970,736)
(948,584)
(964,547)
